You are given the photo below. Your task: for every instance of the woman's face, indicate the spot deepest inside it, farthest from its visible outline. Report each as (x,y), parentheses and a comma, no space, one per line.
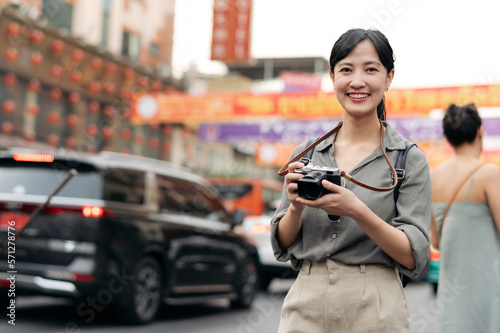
(360,80)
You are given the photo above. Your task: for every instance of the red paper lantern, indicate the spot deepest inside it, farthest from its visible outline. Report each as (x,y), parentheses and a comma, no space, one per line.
(106,148)
(94,87)
(34,85)
(109,88)
(7,127)
(55,94)
(74,97)
(13,29)
(77,55)
(107,132)
(128,73)
(156,86)
(167,130)
(33,109)
(52,139)
(12,54)
(154,142)
(56,71)
(110,68)
(127,94)
(75,76)
(92,130)
(53,117)
(126,134)
(8,106)
(36,58)
(10,80)
(57,46)
(125,151)
(108,111)
(72,120)
(36,37)
(142,81)
(95,63)
(71,142)
(126,114)
(154,127)
(94,107)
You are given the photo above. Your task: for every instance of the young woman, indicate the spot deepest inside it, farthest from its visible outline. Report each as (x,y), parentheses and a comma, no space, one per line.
(469,239)
(348,279)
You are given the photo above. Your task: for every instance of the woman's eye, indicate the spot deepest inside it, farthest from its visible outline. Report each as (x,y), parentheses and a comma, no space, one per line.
(345,69)
(372,69)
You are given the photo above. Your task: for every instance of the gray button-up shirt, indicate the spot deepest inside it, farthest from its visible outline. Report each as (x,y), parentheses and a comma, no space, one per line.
(320,239)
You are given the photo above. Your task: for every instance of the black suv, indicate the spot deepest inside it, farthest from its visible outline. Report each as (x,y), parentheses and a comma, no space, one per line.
(125,231)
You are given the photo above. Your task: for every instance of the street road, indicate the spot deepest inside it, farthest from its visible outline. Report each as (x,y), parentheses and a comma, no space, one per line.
(49,315)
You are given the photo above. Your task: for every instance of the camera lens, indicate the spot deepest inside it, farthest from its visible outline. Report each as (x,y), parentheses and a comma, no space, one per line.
(309,186)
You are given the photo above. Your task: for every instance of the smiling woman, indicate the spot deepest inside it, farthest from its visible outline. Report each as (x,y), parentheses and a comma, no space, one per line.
(349,268)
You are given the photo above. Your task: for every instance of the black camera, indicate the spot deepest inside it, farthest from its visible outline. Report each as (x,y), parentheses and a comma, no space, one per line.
(309,186)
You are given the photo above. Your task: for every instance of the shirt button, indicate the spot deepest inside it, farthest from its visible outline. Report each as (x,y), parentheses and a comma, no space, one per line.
(328,254)
(334,236)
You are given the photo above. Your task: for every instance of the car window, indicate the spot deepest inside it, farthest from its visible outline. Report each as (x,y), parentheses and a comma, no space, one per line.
(124,185)
(178,196)
(43,178)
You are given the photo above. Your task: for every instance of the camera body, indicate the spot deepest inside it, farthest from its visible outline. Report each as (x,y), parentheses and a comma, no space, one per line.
(309,186)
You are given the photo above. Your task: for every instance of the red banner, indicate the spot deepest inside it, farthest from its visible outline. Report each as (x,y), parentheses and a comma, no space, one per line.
(168,108)
(231,30)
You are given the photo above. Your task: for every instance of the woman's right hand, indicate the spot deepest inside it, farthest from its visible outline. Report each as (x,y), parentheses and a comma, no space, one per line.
(291,184)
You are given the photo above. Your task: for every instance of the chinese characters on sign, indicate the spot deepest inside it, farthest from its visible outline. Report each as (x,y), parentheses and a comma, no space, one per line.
(231,30)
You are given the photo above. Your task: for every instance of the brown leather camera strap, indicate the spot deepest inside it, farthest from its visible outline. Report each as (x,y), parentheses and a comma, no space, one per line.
(284,170)
(455,194)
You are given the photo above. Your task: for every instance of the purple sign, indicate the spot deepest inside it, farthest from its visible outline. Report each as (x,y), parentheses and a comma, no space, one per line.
(296,131)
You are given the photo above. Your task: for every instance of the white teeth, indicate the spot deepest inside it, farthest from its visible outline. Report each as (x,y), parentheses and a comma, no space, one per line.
(359,95)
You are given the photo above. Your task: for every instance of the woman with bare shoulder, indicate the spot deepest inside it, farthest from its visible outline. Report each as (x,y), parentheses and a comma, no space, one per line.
(468,238)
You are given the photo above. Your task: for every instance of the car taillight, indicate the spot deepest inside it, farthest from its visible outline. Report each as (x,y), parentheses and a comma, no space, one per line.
(259,229)
(92,211)
(27,157)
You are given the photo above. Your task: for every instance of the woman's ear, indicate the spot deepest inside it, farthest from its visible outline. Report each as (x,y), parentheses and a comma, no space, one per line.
(480,132)
(332,78)
(389,78)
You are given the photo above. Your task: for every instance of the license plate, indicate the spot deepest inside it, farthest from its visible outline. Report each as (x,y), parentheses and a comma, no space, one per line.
(17,219)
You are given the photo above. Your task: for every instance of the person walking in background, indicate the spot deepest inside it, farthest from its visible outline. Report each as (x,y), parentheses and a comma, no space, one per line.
(348,279)
(468,239)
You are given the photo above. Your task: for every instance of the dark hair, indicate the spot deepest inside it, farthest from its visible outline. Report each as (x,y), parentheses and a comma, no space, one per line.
(348,41)
(461,123)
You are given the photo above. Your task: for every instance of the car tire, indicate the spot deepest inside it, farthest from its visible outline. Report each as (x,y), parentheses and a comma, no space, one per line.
(247,285)
(142,299)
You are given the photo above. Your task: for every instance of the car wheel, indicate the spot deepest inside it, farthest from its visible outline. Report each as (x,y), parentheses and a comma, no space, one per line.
(247,286)
(143,296)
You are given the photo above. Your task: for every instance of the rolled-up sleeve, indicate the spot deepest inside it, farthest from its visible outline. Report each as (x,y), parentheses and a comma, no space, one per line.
(414,209)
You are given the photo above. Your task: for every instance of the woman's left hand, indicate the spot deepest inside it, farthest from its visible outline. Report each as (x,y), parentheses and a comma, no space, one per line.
(341,201)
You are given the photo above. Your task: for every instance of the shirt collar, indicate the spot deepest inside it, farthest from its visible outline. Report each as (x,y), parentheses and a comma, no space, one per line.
(393,140)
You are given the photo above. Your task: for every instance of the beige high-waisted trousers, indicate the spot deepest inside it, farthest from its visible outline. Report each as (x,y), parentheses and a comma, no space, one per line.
(332,297)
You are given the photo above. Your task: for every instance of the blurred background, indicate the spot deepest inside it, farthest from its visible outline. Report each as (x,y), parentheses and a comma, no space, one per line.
(229,87)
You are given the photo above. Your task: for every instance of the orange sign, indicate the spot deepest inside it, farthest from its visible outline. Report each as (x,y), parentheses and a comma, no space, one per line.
(167,108)
(231,30)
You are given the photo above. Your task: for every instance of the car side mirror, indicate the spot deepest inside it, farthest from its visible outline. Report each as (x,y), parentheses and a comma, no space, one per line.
(237,217)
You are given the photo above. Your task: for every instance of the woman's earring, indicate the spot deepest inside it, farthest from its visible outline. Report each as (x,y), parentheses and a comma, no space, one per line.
(386,88)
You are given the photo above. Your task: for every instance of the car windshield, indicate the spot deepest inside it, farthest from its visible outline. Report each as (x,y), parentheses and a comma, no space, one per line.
(43,178)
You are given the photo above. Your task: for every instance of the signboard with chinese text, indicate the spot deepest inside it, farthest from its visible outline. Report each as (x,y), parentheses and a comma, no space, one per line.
(231,30)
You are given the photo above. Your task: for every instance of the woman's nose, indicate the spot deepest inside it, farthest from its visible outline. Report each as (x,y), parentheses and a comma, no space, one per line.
(358,80)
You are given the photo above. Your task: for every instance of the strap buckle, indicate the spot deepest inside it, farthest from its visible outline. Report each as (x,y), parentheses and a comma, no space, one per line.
(401,174)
